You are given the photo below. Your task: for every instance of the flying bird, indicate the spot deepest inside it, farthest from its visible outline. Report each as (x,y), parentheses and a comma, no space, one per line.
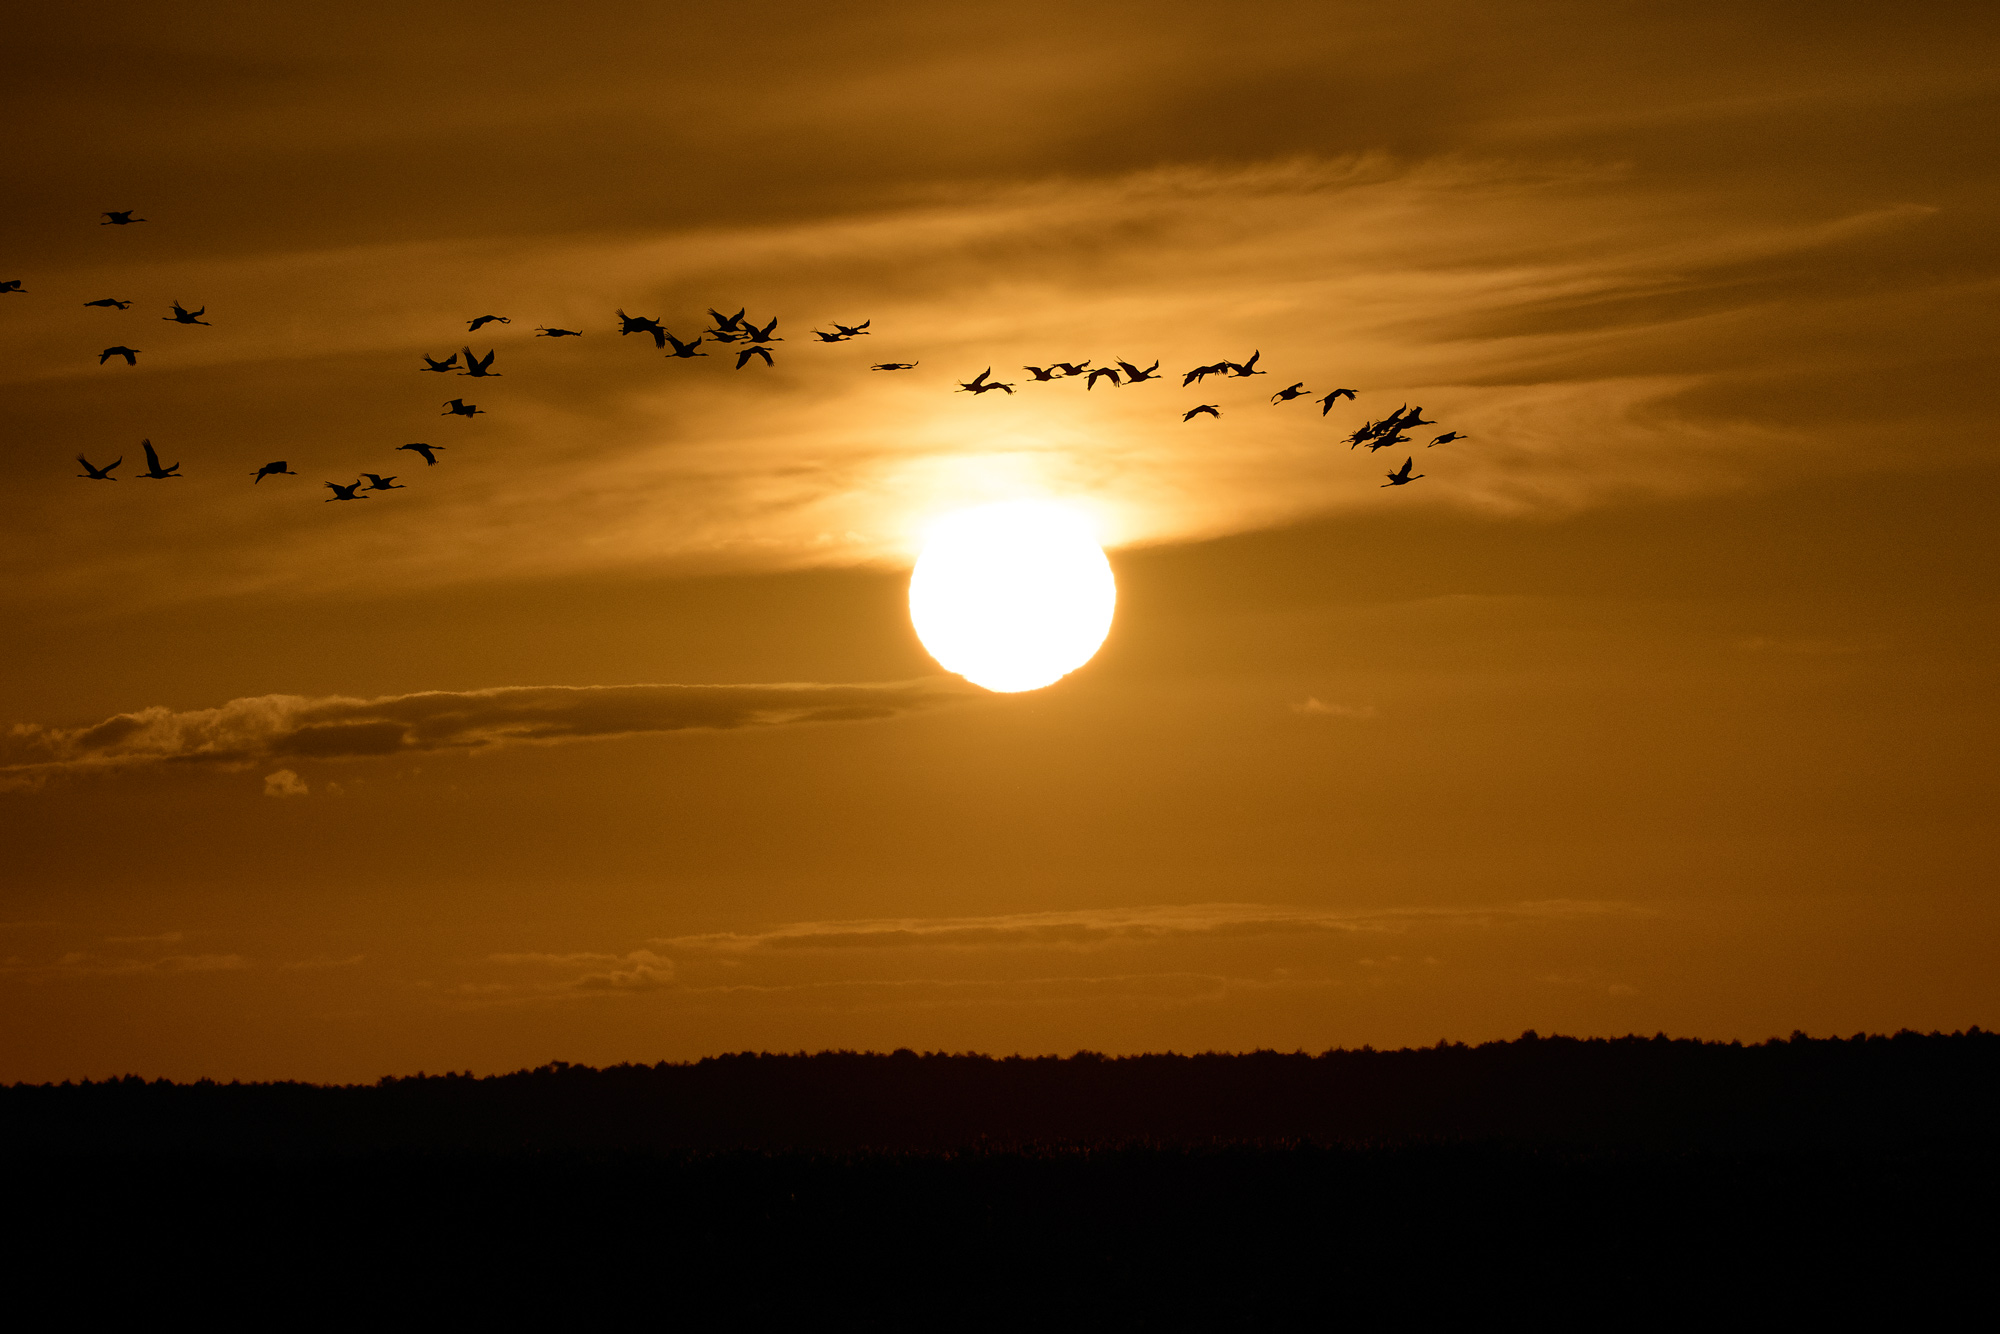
(1042,373)
(543,331)
(97,474)
(1415,418)
(14,285)
(728,323)
(826,337)
(1102,372)
(629,324)
(428,451)
(1290,392)
(1069,368)
(1245,369)
(277,469)
(1326,404)
(458,407)
(1389,441)
(473,327)
(979,384)
(683,349)
(120,218)
(343,492)
(377,482)
(449,363)
(182,315)
(1401,477)
(1448,437)
(153,468)
(131,355)
(480,367)
(1208,408)
(763,335)
(108,301)
(1200,373)
(1135,375)
(724,335)
(853,330)
(893,366)
(743,357)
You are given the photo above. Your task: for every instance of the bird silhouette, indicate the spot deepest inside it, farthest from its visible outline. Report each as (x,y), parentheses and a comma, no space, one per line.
(120,218)
(853,330)
(726,323)
(458,407)
(377,482)
(1448,437)
(1208,408)
(480,367)
(893,366)
(1042,373)
(543,331)
(628,324)
(724,335)
(1102,372)
(763,335)
(428,451)
(1243,370)
(277,469)
(182,315)
(108,301)
(1415,418)
(683,349)
(1290,392)
(743,357)
(1326,404)
(1388,441)
(131,355)
(1135,375)
(1361,434)
(1401,477)
(343,492)
(826,337)
(153,468)
(1069,368)
(13,285)
(433,364)
(979,384)
(1200,373)
(98,474)
(473,326)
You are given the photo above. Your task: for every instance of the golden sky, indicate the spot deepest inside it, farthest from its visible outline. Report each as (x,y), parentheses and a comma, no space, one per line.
(1664,701)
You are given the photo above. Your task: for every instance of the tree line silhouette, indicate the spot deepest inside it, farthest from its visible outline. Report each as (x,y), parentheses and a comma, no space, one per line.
(1907,1089)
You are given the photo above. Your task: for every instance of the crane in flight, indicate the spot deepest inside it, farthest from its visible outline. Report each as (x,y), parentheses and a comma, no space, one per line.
(743,357)
(1290,392)
(153,468)
(458,407)
(473,326)
(894,366)
(1402,477)
(377,482)
(431,363)
(1326,404)
(1102,372)
(1448,437)
(109,301)
(97,474)
(1208,409)
(543,331)
(683,349)
(120,218)
(1135,375)
(182,315)
(428,451)
(131,355)
(343,492)
(480,367)
(277,469)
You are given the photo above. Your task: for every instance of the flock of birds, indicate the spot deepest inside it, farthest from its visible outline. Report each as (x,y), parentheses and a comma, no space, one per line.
(750,342)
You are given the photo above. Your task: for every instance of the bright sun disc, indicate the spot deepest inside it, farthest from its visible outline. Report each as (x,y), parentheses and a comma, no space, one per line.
(1012,596)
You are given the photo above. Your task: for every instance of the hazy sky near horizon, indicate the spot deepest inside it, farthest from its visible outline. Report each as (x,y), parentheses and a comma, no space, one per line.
(1665,700)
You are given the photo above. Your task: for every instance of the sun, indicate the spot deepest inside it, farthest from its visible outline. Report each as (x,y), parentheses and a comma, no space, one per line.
(1012,596)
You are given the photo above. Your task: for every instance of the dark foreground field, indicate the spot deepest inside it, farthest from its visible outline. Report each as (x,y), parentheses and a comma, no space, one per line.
(1617,1182)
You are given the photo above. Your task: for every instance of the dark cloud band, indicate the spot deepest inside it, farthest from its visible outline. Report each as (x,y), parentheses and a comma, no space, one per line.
(276,727)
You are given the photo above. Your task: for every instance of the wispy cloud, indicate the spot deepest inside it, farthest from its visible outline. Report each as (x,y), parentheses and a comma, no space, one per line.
(273,727)
(1103,926)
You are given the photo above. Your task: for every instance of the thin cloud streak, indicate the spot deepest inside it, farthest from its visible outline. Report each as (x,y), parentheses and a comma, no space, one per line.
(267,727)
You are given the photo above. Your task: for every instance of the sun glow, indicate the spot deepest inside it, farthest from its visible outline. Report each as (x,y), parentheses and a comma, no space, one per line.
(1012,596)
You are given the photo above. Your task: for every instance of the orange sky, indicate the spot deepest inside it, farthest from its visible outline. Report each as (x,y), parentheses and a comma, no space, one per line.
(1664,701)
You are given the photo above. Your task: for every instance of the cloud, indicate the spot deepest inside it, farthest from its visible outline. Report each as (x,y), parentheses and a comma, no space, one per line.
(269,727)
(1312,707)
(640,970)
(1102,926)
(283,783)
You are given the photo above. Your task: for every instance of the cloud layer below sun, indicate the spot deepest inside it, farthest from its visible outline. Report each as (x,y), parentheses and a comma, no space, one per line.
(279,727)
